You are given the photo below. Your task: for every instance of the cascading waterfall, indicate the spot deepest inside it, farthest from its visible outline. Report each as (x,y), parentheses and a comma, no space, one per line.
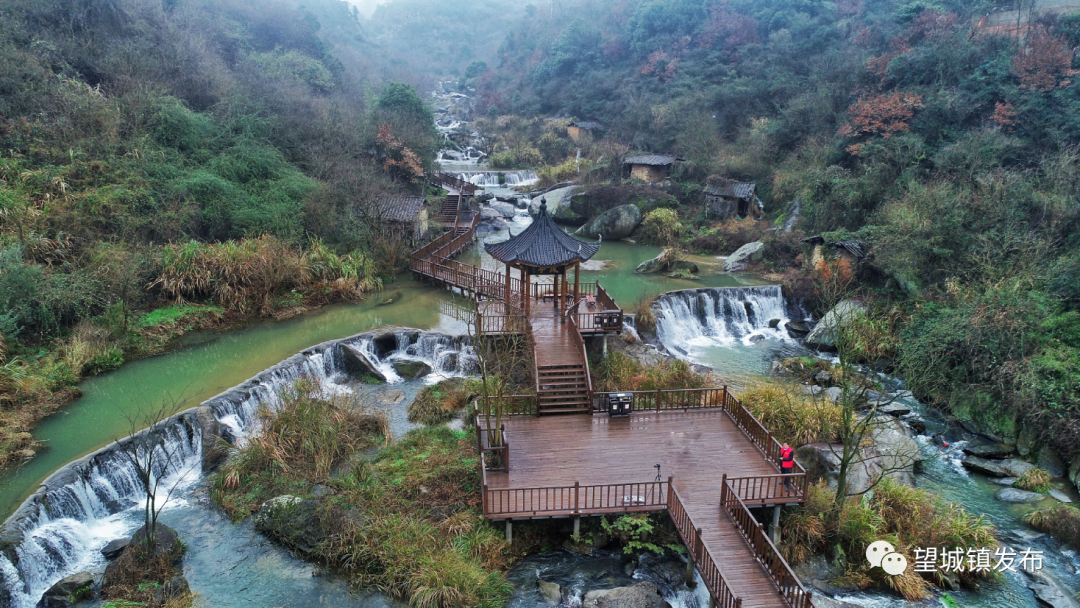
(61,529)
(721,316)
(64,528)
(491,178)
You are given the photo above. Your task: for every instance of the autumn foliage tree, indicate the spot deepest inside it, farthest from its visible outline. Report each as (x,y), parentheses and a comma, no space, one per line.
(883,115)
(398,160)
(1045,61)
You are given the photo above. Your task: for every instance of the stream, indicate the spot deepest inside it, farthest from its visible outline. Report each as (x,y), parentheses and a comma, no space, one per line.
(738,331)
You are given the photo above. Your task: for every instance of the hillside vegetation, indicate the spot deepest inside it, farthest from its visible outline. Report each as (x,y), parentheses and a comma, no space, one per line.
(946,143)
(219,158)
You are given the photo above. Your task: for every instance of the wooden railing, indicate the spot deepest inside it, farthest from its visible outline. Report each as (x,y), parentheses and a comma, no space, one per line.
(462,186)
(760,436)
(765,551)
(576,499)
(703,560)
(576,335)
(770,489)
(512,405)
(493,447)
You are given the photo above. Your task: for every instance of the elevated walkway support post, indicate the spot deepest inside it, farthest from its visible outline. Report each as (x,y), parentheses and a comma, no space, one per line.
(509,532)
(774,529)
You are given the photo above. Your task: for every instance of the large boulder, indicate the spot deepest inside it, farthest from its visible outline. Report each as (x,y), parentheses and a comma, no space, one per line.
(641,595)
(824,334)
(992,468)
(175,587)
(508,210)
(988,449)
(551,592)
(68,591)
(613,224)
(667,261)
(113,550)
(1050,592)
(411,370)
(893,454)
(292,521)
(1017,495)
(166,540)
(358,362)
(750,252)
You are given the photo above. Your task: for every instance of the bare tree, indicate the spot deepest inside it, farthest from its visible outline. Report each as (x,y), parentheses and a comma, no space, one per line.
(148,449)
(860,417)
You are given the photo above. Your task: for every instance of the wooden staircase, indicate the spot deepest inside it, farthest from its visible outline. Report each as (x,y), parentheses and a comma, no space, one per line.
(562,389)
(450,207)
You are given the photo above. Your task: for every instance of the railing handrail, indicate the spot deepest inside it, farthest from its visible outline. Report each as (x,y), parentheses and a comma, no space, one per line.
(713,578)
(764,550)
(576,336)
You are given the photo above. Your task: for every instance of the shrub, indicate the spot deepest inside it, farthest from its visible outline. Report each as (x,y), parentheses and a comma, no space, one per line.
(793,416)
(661,227)
(1034,480)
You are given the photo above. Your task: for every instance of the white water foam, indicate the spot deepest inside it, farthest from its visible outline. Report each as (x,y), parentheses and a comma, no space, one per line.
(690,319)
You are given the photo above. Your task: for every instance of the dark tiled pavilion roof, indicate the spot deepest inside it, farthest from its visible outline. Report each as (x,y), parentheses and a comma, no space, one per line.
(655,160)
(542,244)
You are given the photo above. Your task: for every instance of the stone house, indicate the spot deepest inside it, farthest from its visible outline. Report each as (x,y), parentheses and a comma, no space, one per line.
(580,127)
(404,214)
(650,168)
(727,198)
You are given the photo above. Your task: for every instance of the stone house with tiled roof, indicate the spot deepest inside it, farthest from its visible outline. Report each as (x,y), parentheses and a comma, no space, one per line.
(727,198)
(650,168)
(405,214)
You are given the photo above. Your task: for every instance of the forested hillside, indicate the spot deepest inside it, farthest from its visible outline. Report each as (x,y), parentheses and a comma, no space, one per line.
(944,140)
(154,154)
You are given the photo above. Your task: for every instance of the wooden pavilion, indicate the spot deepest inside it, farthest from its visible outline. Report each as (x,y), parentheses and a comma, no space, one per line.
(544,249)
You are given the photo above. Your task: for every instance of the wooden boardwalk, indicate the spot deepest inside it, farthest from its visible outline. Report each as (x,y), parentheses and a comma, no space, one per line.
(716,460)
(695,448)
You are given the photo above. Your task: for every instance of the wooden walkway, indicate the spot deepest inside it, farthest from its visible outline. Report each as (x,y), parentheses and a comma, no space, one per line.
(695,448)
(716,460)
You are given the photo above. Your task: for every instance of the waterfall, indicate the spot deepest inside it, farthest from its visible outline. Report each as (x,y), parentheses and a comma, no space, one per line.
(511,179)
(721,316)
(64,527)
(61,529)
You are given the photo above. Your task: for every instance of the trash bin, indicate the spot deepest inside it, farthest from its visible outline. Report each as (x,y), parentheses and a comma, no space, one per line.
(619,404)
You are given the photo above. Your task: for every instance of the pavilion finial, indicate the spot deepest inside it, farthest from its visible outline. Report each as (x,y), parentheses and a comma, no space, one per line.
(543,205)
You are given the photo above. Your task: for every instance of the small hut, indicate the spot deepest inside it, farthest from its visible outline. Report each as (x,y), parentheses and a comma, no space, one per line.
(650,168)
(580,127)
(727,198)
(544,249)
(404,214)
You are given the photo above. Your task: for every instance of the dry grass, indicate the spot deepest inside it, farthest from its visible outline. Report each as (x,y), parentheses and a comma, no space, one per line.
(443,401)
(621,372)
(793,416)
(905,516)
(1034,480)
(1060,521)
(644,317)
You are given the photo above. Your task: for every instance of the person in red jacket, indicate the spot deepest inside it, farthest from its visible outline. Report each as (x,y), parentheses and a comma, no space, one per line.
(787,465)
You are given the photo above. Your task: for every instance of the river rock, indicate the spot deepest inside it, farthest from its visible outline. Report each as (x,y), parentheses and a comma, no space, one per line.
(358,362)
(658,264)
(507,210)
(1017,495)
(686,265)
(834,394)
(750,252)
(176,586)
(113,550)
(823,336)
(1004,481)
(166,540)
(1051,462)
(214,451)
(820,600)
(641,595)
(818,571)
(1058,495)
(985,449)
(797,329)
(1050,591)
(292,521)
(390,397)
(411,370)
(551,592)
(915,423)
(1016,467)
(894,409)
(613,224)
(986,467)
(68,591)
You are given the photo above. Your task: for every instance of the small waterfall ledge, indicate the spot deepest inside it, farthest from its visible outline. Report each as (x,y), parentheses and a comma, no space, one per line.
(61,528)
(723,316)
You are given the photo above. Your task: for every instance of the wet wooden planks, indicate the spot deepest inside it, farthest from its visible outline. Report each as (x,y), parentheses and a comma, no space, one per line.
(695,448)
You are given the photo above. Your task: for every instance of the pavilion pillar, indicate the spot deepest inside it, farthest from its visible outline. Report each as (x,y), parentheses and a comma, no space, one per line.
(528,291)
(774,529)
(507,295)
(556,280)
(577,284)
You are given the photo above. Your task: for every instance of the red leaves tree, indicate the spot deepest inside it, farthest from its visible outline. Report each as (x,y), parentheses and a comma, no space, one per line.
(398,160)
(882,115)
(1045,61)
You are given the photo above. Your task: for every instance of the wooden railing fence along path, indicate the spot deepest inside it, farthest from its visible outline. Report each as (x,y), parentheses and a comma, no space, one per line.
(703,560)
